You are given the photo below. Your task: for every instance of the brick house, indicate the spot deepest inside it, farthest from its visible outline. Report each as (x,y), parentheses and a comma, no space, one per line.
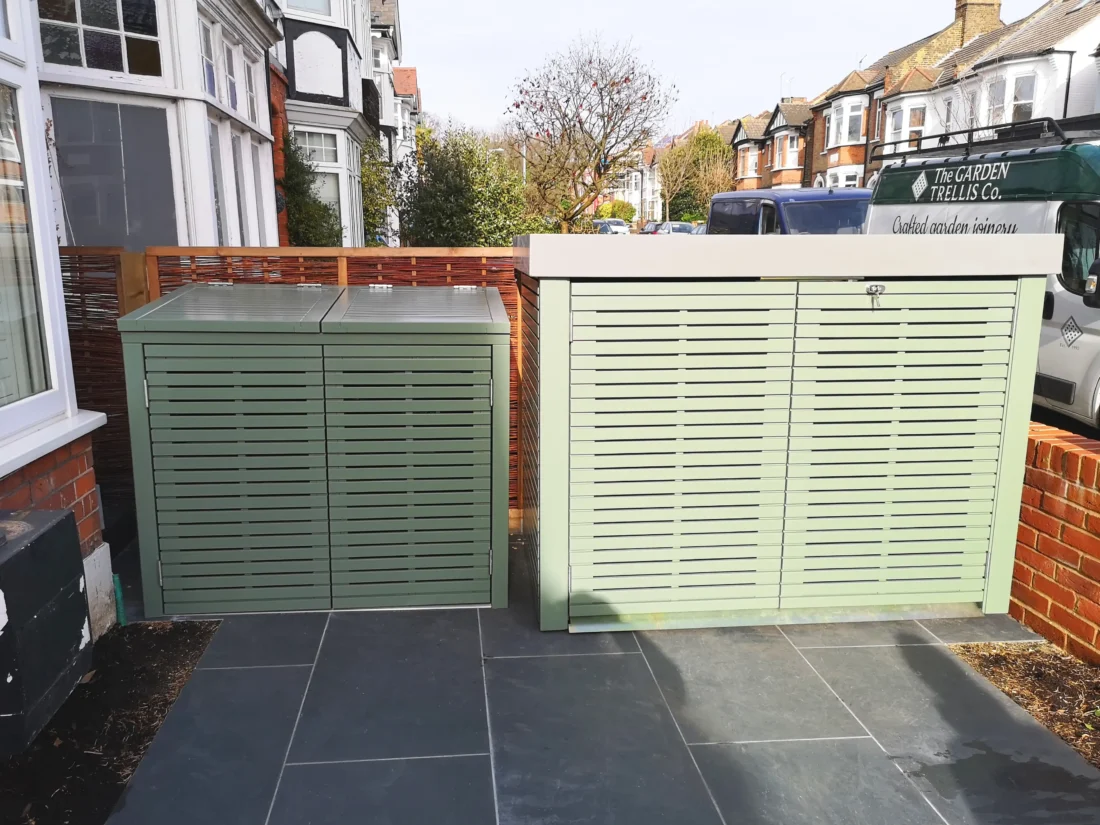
(849,118)
(784,144)
(747,144)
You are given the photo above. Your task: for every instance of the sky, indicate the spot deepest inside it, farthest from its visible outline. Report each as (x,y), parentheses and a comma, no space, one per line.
(726,58)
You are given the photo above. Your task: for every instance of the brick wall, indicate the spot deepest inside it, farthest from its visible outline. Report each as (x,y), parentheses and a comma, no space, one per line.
(279,126)
(61,480)
(1056,579)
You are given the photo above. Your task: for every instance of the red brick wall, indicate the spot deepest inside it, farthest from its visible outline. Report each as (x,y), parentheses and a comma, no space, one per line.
(279,126)
(61,480)
(1056,580)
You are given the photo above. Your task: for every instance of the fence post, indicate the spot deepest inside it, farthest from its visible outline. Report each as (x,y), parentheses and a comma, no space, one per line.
(152,276)
(133,292)
(342,270)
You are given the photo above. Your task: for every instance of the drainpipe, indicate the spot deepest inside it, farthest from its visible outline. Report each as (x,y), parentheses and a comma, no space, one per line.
(1069,77)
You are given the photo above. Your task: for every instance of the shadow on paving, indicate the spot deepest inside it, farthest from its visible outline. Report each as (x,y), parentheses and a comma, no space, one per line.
(999,765)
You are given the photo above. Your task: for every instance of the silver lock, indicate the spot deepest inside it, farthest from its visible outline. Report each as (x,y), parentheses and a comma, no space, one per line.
(876,291)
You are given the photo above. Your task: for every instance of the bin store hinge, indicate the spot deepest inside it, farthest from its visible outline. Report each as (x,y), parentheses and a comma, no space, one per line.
(160,572)
(146,393)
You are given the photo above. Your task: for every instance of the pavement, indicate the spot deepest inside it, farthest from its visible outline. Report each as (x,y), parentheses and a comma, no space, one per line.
(474,717)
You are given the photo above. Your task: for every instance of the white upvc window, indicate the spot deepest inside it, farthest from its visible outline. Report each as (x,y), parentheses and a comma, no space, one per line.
(1023,98)
(753,157)
(828,132)
(321,7)
(854,133)
(209,67)
(792,151)
(894,126)
(949,114)
(377,57)
(250,90)
(838,125)
(996,102)
(320,146)
(397,119)
(845,124)
(328,152)
(217,182)
(258,191)
(229,52)
(916,126)
(110,35)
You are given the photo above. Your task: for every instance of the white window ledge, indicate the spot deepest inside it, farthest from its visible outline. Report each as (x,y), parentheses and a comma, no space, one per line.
(25,447)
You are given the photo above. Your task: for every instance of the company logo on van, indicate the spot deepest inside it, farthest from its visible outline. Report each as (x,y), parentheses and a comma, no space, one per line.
(920,185)
(1071,332)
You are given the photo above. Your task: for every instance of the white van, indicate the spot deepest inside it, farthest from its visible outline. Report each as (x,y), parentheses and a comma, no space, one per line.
(1038,190)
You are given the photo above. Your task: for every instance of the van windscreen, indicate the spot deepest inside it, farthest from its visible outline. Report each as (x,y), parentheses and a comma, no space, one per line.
(734,217)
(835,217)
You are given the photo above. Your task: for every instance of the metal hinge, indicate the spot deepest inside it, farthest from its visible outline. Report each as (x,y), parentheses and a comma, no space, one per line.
(465,288)
(160,572)
(309,286)
(219,283)
(146,393)
(380,287)
(569,577)
(490,393)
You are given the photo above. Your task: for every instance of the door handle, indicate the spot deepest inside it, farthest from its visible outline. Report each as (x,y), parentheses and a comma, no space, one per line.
(1048,307)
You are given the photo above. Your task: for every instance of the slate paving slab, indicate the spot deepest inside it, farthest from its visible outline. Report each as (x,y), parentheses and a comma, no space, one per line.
(588,739)
(452,791)
(218,755)
(515,632)
(395,685)
(275,639)
(846,782)
(857,633)
(979,757)
(980,629)
(742,684)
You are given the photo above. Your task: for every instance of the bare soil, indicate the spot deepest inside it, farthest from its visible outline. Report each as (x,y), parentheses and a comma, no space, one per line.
(76,769)
(1058,689)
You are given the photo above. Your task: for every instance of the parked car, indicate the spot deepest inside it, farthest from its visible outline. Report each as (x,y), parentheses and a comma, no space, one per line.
(674,228)
(650,228)
(701,229)
(789,212)
(616,226)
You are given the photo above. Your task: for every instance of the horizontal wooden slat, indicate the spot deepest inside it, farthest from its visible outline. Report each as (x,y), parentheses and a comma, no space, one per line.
(893,300)
(886,330)
(613,290)
(687,345)
(702,316)
(885,346)
(675,330)
(335,352)
(275,363)
(952,355)
(645,365)
(189,352)
(683,389)
(586,480)
(349,597)
(938,286)
(882,315)
(896,429)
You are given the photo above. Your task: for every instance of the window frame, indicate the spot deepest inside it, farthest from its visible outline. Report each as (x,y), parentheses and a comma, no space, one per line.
(20,419)
(252,103)
(208,36)
(160,39)
(1062,210)
(993,104)
(1030,102)
(919,130)
(229,72)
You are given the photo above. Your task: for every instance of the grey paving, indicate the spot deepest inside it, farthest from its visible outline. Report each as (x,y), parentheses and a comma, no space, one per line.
(457,791)
(848,782)
(275,639)
(218,756)
(742,684)
(395,685)
(515,632)
(980,758)
(858,633)
(980,629)
(588,739)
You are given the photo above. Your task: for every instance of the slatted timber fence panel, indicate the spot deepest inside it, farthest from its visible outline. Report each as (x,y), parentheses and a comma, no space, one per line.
(528,420)
(896,425)
(240,483)
(679,421)
(169,268)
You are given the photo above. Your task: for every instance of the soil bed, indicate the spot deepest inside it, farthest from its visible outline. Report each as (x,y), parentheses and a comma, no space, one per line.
(1058,689)
(75,771)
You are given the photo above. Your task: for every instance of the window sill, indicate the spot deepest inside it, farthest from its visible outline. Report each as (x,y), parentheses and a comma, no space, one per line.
(27,446)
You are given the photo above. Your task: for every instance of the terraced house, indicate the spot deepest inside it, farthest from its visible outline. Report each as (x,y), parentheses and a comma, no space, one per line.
(747,143)
(785,144)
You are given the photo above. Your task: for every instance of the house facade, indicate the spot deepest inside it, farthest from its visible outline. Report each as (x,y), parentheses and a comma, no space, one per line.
(325,50)
(45,450)
(784,144)
(157,120)
(747,144)
(407,110)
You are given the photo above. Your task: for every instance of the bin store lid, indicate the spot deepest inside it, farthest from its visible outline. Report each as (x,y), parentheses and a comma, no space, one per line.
(235,308)
(403,309)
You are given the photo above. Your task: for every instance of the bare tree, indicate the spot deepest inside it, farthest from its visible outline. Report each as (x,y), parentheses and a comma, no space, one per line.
(714,172)
(677,167)
(583,116)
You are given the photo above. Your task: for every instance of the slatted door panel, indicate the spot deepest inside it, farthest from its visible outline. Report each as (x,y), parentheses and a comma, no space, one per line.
(679,416)
(238,445)
(409,474)
(897,410)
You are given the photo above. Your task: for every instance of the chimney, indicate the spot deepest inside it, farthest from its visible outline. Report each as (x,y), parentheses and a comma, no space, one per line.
(977,17)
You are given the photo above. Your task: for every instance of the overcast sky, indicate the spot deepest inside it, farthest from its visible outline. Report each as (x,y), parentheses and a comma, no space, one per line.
(726,57)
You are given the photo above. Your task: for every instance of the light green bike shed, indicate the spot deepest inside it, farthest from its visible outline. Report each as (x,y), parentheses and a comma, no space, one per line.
(305,448)
(727,430)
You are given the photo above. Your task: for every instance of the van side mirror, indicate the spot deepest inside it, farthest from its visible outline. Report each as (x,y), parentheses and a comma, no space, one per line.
(1092,299)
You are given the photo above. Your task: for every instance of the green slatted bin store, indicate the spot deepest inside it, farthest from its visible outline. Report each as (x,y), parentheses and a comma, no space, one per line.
(746,430)
(416,387)
(305,447)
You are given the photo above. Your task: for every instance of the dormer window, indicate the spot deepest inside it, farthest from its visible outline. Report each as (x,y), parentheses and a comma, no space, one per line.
(112,35)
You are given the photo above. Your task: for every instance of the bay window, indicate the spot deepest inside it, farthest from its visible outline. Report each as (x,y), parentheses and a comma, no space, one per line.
(844,124)
(113,35)
(916,126)
(206,48)
(792,151)
(1023,98)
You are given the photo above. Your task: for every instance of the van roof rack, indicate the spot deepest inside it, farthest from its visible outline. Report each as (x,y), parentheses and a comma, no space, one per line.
(1043,131)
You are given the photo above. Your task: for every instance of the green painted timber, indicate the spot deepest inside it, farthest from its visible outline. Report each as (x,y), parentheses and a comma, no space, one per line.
(303,448)
(725,448)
